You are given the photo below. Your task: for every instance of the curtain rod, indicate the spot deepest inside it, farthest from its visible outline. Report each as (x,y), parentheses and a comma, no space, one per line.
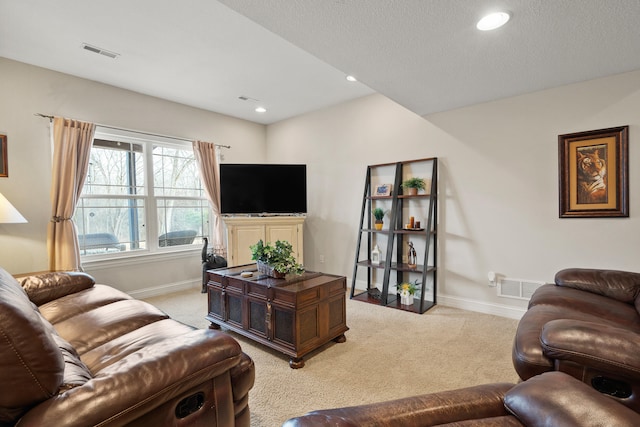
(136,131)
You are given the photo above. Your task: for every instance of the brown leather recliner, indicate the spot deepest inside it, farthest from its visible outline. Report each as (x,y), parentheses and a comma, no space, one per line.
(550,399)
(73,353)
(587,324)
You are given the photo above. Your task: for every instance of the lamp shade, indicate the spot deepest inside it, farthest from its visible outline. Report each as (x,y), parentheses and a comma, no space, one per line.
(9,214)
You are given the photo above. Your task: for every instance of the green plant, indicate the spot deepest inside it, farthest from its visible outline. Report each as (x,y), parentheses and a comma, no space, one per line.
(414,183)
(409,287)
(378,214)
(278,256)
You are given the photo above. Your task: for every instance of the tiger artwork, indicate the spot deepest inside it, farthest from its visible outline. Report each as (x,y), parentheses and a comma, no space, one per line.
(592,175)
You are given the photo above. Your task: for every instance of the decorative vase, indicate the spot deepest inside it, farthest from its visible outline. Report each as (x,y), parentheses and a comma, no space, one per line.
(406,298)
(264,268)
(412,258)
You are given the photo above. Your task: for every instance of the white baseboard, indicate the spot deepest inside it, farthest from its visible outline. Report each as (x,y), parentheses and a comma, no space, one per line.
(165,289)
(449,301)
(471,305)
(482,307)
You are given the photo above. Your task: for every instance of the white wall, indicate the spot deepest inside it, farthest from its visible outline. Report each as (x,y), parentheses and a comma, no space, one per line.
(498,183)
(27,90)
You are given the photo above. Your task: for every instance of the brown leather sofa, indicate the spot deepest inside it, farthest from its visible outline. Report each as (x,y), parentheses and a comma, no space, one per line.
(74,353)
(587,325)
(551,399)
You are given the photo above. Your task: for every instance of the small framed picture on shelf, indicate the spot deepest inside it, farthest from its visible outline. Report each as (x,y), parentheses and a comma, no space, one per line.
(383,190)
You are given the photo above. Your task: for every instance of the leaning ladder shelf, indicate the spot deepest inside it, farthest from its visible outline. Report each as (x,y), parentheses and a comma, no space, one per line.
(396,238)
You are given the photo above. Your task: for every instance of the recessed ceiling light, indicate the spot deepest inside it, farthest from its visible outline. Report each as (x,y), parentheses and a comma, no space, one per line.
(261,110)
(351,78)
(493,21)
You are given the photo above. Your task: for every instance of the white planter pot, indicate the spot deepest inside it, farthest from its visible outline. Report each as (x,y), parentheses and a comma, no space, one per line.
(406,299)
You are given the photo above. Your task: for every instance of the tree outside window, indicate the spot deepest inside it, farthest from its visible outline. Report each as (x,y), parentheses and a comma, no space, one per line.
(120,212)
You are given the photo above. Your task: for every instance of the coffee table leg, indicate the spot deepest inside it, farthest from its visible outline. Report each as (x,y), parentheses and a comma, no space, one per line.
(296,362)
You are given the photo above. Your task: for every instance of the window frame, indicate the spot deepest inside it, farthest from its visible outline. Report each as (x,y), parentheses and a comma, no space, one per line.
(153,249)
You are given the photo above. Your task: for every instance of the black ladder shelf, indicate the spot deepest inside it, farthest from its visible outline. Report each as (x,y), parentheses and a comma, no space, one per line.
(395,238)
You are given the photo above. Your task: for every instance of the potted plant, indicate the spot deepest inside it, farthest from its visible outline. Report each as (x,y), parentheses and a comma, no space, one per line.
(275,260)
(378,214)
(413,185)
(407,290)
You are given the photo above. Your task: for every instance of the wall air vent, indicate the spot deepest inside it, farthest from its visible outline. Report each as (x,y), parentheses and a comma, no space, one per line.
(517,288)
(100,51)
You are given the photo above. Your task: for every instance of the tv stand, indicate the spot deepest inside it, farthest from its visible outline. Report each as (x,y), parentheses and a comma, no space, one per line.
(244,231)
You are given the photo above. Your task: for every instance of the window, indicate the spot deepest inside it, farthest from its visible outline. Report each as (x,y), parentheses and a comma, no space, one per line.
(140,195)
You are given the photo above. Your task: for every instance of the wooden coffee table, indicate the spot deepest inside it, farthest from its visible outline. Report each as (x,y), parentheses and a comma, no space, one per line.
(294,315)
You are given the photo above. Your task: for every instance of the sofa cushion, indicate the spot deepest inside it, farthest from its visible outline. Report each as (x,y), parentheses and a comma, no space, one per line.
(100,325)
(31,364)
(46,287)
(613,311)
(73,304)
(122,346)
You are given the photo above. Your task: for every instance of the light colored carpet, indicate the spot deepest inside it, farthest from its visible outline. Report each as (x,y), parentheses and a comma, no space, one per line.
(388,354)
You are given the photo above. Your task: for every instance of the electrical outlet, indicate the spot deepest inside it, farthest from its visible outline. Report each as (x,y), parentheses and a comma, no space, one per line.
(321,259)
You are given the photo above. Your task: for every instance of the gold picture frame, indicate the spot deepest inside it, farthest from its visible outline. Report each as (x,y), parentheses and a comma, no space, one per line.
(4,171)
(593,168)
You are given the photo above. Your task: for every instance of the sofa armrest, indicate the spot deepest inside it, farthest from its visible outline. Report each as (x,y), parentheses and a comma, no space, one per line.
(46,287)
(145,380)
(557,399)
(603,347)
(620,285)
(483,401)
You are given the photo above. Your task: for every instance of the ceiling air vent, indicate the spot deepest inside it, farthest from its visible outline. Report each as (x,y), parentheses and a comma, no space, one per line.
(100,51)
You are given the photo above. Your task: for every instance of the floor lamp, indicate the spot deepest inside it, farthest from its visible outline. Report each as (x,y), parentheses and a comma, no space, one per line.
(9,214)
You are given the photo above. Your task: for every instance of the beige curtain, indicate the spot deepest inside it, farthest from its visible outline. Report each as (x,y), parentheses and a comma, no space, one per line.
(207,160)
(72,141)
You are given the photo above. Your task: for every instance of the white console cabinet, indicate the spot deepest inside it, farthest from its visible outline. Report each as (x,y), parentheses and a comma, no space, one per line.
(243,232)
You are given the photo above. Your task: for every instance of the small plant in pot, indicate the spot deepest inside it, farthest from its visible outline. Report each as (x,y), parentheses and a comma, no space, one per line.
(378,214)
(412,185)
(407,290)
(275,260)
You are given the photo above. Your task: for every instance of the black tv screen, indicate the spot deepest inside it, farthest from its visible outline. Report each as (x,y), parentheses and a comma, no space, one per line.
(263,189)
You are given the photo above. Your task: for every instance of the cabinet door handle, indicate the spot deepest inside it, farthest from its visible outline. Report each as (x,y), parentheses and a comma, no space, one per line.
(223,303)
(268,321)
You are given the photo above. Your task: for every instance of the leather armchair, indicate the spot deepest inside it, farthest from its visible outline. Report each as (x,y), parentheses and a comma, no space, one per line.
(587,325)
(76,353)
(550,399)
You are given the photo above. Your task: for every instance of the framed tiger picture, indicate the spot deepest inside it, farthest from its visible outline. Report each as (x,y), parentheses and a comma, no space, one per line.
(593,169)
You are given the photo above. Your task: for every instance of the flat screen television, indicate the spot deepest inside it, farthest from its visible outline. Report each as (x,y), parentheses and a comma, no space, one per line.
(263,189)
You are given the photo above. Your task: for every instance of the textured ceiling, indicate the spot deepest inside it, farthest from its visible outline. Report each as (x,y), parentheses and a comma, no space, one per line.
(428,56)
(291,55)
